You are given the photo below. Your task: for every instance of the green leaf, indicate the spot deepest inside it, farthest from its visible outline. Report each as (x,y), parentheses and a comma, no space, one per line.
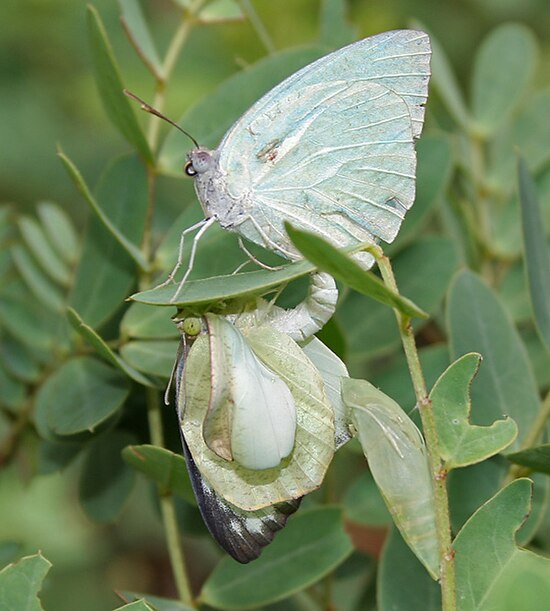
(106,480)
(110,85)
(26,320)
(530,133)
(503,70)
(460,442)
(151,357)
(110,196)
(165,468)
(477,322)
(393,376)
(21,582)
(537,255)
(334,261)
(538,355)
(106,272)
(403,584)
(54,456)
(103,350)
(215,292)
(60,231)
(14,392)
(397,458)
(536,458)
(335,31)
(312,544)
(472,486)
(422,272)
(39,285)
(80,395)
(9,550)
(446,83)
(139,34)
(146,322)
(19,361)
(42,249)
(220,11)
(512,293)
(363,503)
(214,115)
(487,540)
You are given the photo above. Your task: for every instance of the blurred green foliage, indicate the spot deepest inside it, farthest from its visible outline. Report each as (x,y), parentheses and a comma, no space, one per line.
(466,215)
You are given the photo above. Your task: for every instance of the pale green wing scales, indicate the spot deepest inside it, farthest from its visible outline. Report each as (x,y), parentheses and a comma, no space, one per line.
(330,149)
(333,371)
(252,415)
(300,473)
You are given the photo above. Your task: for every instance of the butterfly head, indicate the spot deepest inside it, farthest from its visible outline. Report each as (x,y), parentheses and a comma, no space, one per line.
(199,161)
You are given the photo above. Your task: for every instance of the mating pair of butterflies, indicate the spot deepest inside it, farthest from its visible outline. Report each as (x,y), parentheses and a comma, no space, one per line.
(331,149)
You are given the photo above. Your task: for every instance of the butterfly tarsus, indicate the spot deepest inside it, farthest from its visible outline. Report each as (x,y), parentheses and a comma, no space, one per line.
(254,259)
(203,227)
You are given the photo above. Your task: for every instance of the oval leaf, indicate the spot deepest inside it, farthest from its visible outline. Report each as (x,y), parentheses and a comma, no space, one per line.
(106,480)
(477,322)
(111,87)
(503,70)
(21,582)
(312,544)
(537,254)
(460,442)
(80,395)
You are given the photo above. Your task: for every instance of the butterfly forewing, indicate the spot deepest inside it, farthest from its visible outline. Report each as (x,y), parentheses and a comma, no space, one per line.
(331,149)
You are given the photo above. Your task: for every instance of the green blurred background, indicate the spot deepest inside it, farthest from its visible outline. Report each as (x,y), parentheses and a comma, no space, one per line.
(48,97)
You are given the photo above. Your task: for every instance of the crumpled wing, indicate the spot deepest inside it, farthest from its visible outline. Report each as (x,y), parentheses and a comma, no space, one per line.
(331,149)
(242,534)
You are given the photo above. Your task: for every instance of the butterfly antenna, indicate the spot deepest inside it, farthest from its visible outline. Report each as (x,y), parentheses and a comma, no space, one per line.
(157,113)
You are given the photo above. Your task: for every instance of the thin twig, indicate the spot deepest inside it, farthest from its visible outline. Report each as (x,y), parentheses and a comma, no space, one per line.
(441,499)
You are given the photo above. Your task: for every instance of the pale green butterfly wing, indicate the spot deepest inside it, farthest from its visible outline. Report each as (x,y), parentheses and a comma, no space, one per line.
(242,534)
(298,474)
(252,415)
(399,464)
(333,371)
(331,149)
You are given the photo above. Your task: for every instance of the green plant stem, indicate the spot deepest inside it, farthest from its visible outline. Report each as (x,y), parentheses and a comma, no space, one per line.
(168,511)
(257,24)
(442,518)
(170,59)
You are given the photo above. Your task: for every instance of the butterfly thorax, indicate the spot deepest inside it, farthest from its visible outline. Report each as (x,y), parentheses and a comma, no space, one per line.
(210,185)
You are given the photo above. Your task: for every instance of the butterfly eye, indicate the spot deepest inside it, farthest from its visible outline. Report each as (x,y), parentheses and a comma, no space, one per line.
(189,169)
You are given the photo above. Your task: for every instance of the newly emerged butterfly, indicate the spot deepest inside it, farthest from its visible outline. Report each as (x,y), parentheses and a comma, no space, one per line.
(331,149)
(260,417)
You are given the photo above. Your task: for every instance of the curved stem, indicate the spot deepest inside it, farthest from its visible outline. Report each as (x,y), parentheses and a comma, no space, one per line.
(442,517)
(258,26)
(172,54)
(168,511)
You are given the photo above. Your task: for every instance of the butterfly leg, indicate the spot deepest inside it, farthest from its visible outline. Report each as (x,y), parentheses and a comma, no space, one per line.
(179,261)
(270,244)
(204,225)
(254,259)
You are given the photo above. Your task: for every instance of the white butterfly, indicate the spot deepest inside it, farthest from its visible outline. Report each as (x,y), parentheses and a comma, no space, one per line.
(260,418)
(330,149)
